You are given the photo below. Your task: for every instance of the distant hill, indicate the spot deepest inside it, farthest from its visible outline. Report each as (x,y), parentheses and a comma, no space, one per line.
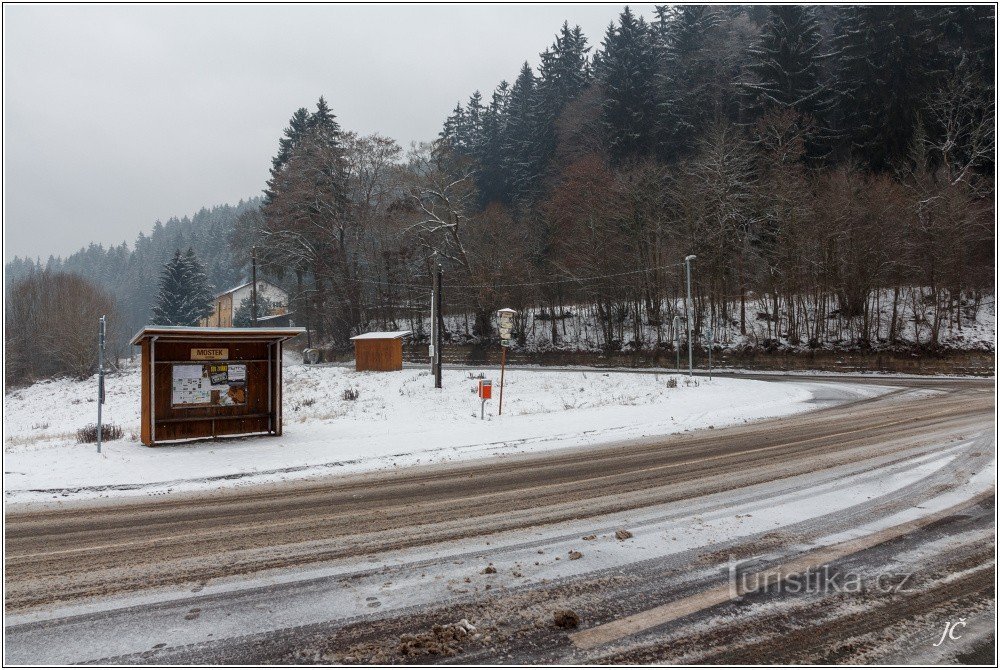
(131,274)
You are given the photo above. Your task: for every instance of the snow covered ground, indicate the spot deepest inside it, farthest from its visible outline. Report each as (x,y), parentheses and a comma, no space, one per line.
(398,419)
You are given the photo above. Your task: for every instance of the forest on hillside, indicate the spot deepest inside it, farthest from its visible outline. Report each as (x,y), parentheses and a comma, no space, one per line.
(130,274)
(831,167)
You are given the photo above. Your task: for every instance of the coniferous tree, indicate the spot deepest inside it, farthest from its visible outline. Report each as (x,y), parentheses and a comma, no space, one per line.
(200,295)
(243,316)
(686,41)
(184,296)
(886,65)
(785,66)
(297,125)
(490,178)
(787,60)
(627,69)
(521,148)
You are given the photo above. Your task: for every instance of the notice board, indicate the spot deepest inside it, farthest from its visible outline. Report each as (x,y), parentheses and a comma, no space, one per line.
(216,384)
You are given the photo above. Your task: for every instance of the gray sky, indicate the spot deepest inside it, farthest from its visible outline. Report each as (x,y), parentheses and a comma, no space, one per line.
(116,116)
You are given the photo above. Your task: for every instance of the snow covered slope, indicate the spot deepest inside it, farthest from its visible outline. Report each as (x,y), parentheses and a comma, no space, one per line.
(398,419)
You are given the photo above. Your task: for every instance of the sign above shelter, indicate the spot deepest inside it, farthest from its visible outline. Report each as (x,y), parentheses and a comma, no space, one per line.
(209,354)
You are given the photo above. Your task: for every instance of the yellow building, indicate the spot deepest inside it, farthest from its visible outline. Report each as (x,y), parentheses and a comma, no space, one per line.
(227,302)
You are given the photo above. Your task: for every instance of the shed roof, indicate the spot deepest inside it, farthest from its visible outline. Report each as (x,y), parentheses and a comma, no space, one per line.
(194,333)
(388,335)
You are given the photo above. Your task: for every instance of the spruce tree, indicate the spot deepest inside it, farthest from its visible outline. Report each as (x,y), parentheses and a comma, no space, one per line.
(887,60)
(184,296)
(787,60)
(200,295)
(243,316)
(522,157)
(297,126)
(686,41)
(489,154)
(627,72)
(785,66)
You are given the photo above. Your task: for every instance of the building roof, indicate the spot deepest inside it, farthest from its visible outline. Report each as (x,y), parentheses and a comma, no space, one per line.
(390,335)
(198,333)
(245,284)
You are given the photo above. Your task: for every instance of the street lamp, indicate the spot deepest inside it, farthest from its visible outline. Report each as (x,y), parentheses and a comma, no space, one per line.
(687,263)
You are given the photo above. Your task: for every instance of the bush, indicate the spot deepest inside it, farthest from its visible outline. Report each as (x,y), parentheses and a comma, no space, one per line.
(351,394)
(110,431)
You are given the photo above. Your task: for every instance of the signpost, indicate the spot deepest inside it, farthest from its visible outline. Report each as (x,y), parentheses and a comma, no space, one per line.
(101,330)
(505,318)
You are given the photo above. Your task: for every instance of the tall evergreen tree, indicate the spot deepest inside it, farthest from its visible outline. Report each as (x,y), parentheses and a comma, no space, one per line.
(785,68)
(786,62)
(627,72)
(522,163)
(184,296)
(297,126)
(886,63)
(686,42)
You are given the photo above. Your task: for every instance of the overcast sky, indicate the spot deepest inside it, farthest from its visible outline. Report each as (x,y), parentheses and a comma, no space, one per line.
(116,116)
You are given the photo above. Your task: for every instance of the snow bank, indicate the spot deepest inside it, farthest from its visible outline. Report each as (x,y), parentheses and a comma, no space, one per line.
(398,419)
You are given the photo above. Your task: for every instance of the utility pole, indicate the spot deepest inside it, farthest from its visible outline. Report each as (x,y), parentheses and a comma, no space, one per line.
(434,322)
(101,330)
(253,290)
(687,262)
(439,326)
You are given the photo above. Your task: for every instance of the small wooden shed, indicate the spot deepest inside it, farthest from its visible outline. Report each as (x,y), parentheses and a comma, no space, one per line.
(380,352)
(209,382)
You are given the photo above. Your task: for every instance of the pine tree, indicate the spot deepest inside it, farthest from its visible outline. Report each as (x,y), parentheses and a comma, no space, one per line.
(242,317)
(522,157)
(200,295)
(785,66)
(786,62)
(184,296)
(627,72)
(297,126)
(686,42)
(887,60)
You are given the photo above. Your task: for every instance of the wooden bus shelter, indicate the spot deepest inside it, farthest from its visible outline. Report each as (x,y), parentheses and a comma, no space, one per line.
(209,382)
(381,352)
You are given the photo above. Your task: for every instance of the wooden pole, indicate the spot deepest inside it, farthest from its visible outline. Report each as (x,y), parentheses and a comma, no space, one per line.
(253,290)
(503,361)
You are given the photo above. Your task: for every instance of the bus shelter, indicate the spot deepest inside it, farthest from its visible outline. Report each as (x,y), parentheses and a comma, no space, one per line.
(210,382)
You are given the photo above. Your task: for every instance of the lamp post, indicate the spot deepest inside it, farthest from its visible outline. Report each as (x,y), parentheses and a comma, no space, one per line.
(677,341)
(687,263)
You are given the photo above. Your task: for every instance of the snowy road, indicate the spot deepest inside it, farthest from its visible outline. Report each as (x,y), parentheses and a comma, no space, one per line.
(342,570)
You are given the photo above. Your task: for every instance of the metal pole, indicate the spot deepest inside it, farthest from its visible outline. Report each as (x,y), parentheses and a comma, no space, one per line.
(439,331)
(687,262)
(100,379)
(709,353)
(253,290)
(677,341)
(503,362)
